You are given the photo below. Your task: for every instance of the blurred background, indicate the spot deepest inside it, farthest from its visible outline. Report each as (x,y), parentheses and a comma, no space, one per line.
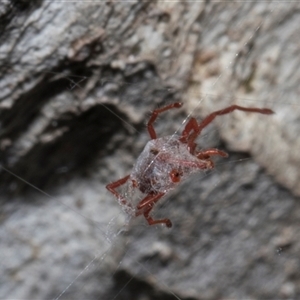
(78,83)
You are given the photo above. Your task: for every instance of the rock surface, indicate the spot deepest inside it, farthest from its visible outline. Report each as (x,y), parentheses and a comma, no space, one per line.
(78,82)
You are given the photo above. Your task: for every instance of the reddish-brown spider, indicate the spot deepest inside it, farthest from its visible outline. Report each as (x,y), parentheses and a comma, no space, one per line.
(167,161)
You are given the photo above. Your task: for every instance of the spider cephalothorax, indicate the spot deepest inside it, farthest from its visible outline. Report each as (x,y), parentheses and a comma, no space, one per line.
(169,160)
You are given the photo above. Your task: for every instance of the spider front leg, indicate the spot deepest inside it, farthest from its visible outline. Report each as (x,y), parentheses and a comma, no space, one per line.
(192,129)
(210,152)
(191,125)
(155,114)
(145,207)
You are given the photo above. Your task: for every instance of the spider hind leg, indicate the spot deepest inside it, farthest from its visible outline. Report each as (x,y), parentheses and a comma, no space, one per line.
(112,188)
(151,221)
(145,207)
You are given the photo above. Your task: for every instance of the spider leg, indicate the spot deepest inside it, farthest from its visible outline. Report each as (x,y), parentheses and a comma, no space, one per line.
(155,114)
(191,138)
(210,152)
(112,186)
(151,221)
(145,207)
(192,124)
(149,200)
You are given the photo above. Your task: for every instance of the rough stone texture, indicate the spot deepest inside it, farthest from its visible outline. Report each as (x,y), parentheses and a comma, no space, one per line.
(78,81)
(250,58)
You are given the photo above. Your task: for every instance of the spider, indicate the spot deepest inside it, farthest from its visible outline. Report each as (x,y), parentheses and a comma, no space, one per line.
(168,160)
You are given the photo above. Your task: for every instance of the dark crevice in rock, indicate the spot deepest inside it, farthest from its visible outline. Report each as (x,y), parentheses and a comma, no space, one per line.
(16,9)
(17,119)
(127,286)
(52,163)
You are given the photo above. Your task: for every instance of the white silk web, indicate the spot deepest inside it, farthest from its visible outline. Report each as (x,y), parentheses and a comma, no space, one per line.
(73,241)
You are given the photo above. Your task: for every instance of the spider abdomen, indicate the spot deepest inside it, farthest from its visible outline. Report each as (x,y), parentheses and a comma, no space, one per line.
(159,161)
